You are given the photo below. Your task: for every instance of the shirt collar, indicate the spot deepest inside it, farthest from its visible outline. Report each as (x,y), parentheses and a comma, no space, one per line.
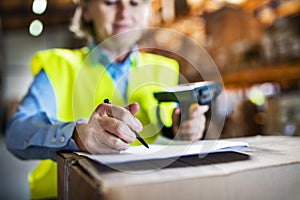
(100,55)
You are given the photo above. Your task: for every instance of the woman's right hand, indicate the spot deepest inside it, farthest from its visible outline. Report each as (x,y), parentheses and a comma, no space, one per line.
(109,130)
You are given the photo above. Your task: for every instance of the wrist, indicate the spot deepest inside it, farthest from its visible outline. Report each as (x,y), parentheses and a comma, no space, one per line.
(78,140)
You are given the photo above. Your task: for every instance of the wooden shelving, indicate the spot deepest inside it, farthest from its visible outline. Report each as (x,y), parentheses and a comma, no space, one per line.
(285,75)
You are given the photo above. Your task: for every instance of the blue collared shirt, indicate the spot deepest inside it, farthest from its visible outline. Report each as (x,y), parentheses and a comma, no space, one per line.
(34,132)
(118,71)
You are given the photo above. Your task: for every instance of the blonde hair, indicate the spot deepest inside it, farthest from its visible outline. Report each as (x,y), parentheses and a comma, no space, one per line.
(81,28)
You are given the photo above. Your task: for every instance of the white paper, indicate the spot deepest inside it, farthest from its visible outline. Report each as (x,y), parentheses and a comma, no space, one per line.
(164,148)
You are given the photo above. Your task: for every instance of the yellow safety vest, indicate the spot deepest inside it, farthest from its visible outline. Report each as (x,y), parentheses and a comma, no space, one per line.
(80,87)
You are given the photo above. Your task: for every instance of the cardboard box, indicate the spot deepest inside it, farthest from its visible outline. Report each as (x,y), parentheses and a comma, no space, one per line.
(268,169)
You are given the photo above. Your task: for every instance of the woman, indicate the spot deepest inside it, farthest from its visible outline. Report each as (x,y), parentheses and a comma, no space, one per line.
(64,109)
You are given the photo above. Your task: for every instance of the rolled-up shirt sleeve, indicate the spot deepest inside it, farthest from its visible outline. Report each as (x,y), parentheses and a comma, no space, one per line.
(34,132)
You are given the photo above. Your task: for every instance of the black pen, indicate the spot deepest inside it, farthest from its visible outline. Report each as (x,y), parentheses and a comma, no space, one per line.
(136,133)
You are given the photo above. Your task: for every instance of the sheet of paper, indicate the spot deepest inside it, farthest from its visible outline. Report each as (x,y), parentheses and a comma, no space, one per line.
(163,149)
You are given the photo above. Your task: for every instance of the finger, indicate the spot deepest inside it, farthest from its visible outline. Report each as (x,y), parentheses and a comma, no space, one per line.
(194,127)
(117,128)
(106,148)
(126,116)
(99,141)
(176,120)
(108,143)
(133,108)
(197,110)
(176,116)
(107,109)
(115,143)
(204,108)
(189,136)
(121,114)
(193,108)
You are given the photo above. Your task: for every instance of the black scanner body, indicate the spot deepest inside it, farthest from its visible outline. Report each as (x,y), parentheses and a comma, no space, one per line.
(185,95)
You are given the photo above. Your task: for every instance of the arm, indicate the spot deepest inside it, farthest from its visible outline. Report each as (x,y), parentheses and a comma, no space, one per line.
(34,132)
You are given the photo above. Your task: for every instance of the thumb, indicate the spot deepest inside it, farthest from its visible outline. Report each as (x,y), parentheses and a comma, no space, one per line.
(196,110)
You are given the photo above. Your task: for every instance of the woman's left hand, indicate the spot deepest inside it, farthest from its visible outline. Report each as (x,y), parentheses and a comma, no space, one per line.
(191,129)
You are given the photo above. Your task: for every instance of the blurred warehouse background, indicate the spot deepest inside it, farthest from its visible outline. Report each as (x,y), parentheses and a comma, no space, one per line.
(254,43)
